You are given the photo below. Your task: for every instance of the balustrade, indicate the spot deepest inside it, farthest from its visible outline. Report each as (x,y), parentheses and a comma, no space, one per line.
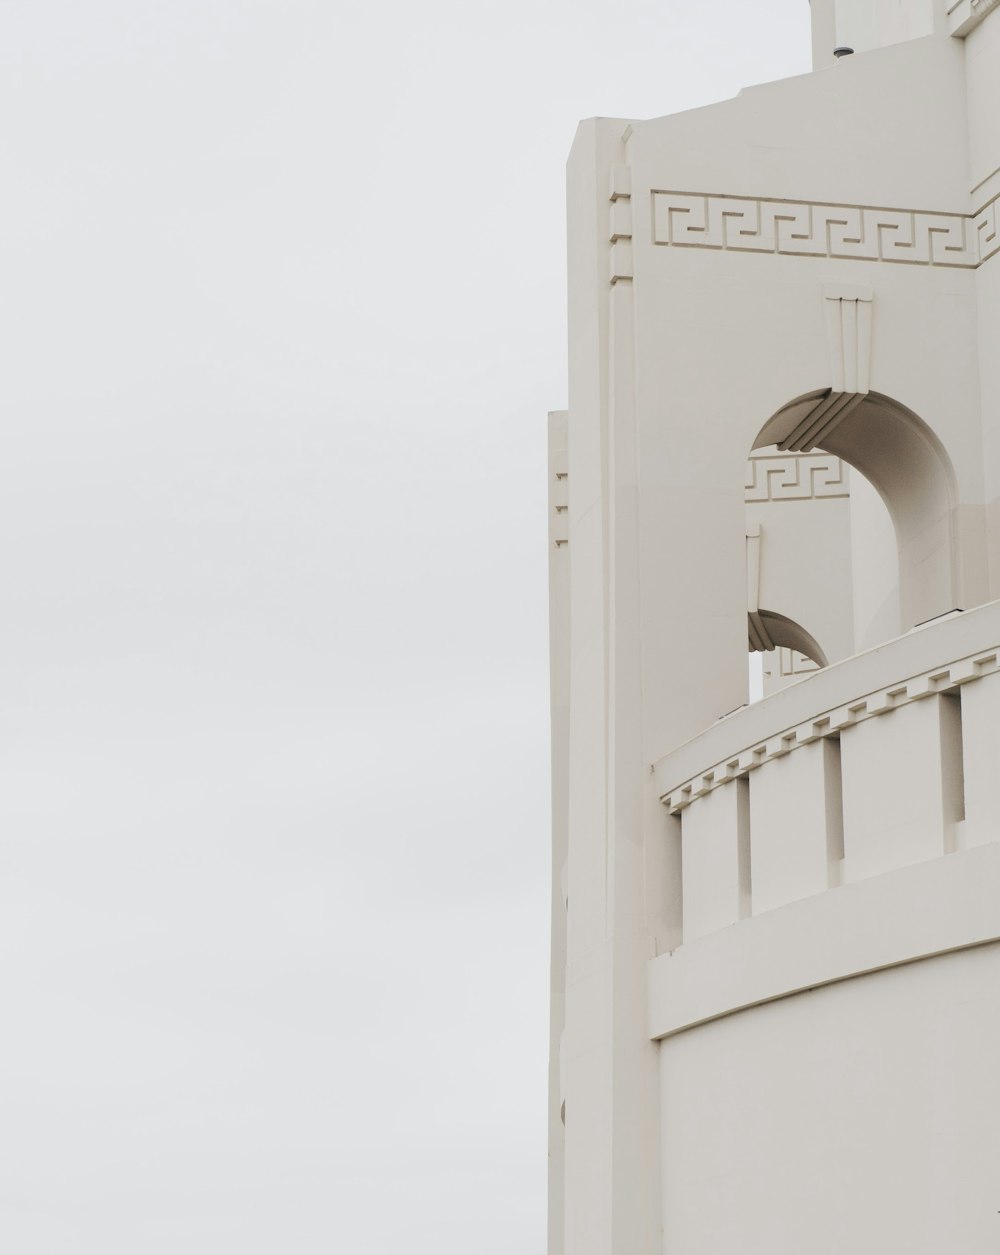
(882,761)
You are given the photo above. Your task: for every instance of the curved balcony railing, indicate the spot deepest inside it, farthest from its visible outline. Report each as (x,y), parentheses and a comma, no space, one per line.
(860,778)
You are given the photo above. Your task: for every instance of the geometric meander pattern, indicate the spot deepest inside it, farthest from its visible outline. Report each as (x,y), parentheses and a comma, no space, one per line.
(795,477)
(801,228)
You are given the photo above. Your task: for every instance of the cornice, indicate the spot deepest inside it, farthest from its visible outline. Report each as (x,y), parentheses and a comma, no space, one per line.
(965,15)
(831,722)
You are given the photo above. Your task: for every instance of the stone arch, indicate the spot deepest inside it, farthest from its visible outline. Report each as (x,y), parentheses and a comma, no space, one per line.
(907,464)
(770,630)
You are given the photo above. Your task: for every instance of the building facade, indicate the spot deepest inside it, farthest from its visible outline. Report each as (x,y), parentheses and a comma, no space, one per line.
(776,923)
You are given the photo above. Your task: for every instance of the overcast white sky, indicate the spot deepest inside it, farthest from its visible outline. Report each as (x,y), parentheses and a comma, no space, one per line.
(282,312)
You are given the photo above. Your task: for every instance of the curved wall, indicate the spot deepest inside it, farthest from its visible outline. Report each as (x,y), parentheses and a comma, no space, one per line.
(854,1118)
(829,1028)
(832,238)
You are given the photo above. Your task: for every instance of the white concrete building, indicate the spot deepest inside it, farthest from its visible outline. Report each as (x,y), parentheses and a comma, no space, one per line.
(776,925)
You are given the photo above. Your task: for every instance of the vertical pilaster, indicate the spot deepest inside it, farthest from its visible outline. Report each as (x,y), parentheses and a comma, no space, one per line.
(610,1073)
(559,690)
(635,1190)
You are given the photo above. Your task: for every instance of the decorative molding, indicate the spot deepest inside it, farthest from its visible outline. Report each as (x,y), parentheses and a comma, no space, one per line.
(559,501)
(925,909)
(965,15)
(620,229)
(621,260)
(831,722)
(983,181)
(807,229)
(848,312)
(620,182)
(795,477)
(986,228)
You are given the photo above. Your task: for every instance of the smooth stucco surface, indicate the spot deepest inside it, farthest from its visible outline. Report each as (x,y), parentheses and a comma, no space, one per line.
(774,939)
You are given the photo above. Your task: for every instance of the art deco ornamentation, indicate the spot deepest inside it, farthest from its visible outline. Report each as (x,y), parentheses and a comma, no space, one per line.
(848,311)
(791,477)
(944,679)
(799,228)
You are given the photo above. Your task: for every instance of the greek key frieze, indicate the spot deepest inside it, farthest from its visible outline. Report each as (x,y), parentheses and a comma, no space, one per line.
(795,477)
(800,228)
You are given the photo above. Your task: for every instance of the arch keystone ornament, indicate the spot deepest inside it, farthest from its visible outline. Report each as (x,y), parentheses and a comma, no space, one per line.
(847,308)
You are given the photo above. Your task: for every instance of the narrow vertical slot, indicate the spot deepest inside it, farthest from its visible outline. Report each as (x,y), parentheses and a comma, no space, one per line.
(743,846)
(833,792)
(675,881)
(665,886)
(952,769)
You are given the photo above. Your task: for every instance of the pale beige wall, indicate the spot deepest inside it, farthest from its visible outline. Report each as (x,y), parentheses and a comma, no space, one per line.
(805,557)
(867,24)
(749,335)
(874,567)
(680,353)
(982,51)
(859,1117)
(983,78)
(609,1072)
(559,682)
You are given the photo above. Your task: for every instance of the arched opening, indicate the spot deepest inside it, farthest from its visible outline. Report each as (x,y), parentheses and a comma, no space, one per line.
(850,511)
(906,464)
(781,651)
